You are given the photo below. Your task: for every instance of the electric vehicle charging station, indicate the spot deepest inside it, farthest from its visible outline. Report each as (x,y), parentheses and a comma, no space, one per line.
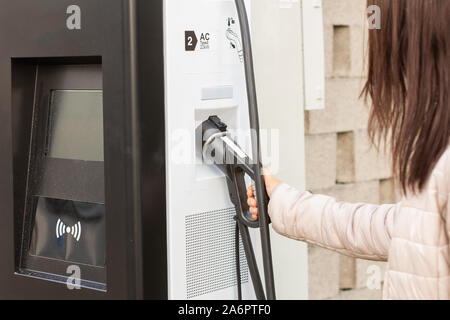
(126,199)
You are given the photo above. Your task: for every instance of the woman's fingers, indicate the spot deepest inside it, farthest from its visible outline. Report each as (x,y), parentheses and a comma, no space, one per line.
(252,202)
(254,212)
(271,181)
(250,192)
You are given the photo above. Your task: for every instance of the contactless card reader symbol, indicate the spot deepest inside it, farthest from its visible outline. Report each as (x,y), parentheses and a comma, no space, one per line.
(62,229)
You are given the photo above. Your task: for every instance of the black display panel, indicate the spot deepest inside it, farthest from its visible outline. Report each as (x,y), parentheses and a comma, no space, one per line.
(76,125)
(65,215)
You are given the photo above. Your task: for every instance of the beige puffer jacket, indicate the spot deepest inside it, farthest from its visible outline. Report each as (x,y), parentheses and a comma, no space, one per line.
(413,235)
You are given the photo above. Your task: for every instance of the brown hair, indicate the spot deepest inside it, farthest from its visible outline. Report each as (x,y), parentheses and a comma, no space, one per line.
(408,84)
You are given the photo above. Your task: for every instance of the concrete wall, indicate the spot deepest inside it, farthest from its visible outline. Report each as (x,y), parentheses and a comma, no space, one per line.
(339,159)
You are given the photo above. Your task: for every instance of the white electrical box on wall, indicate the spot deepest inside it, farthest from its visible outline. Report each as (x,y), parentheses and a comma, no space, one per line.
(277,50)
(313,54)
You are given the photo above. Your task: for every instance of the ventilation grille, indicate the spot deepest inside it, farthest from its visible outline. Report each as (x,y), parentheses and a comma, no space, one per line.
(210,252)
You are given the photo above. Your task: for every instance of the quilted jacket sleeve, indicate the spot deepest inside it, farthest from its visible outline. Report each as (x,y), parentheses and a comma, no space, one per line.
(442,185)
(358,230)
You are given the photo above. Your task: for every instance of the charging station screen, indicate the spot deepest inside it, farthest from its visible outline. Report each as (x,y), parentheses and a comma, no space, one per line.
(76,125)
(69,221)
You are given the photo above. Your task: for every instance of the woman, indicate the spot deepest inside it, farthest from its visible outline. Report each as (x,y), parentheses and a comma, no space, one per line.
(408,86)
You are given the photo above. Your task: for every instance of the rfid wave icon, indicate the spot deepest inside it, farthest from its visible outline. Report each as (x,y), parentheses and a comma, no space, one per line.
(62,229)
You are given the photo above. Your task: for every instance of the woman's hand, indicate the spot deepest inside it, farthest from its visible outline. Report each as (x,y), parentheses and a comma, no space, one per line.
(271,184)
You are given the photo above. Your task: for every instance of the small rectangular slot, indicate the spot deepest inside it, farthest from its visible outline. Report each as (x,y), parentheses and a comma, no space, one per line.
(217,93)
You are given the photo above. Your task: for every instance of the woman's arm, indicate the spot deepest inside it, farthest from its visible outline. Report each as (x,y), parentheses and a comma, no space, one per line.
(359,230)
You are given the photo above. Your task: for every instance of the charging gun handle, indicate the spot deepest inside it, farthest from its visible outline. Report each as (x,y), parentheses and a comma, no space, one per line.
(236,187)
